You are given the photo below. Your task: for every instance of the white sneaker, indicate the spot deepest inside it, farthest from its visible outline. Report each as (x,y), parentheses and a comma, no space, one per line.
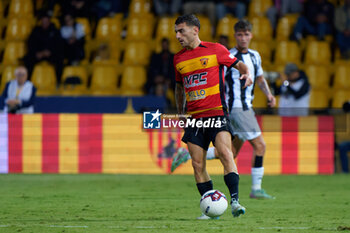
(205,217)
(237,209)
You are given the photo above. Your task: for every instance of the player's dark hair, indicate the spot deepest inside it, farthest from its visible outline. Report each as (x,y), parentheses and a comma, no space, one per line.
(243,25)
(190,20)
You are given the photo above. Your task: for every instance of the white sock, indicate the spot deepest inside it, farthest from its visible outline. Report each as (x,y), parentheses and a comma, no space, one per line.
(211,153)
(257,175)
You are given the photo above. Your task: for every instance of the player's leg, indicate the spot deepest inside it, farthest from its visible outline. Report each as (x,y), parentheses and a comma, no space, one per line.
(204,183)
(199,167)
(182,156)
(237,144)
(231,177)
(257,171)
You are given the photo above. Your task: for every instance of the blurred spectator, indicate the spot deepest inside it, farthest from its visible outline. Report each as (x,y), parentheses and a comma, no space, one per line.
(344,147)
(19,94)
(74,39)
(224,41)
(294,92)
(201,7)
(342,25)
(167,7)
(283,7)
(316,20)
(78,8)
(45,44)
(104,8)
(234,7)
(161,71)
(290,6)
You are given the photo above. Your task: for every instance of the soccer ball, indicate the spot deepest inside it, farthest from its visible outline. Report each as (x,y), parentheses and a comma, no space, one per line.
(213,203)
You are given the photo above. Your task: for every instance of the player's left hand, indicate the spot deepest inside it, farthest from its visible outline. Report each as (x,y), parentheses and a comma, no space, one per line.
(271,101)
(248,80)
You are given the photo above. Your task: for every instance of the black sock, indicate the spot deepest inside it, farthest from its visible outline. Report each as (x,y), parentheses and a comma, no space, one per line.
(258,161)
(204,187)
(231,181)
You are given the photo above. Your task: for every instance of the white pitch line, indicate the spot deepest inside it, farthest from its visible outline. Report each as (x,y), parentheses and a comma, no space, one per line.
(57,226)
(292,228)
(4,225)
(141,227)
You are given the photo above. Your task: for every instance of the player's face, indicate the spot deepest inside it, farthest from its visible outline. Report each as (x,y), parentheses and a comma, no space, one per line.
(185,34)
(243,39)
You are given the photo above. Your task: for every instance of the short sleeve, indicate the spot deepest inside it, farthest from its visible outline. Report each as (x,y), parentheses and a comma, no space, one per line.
(225,57)
(260,69)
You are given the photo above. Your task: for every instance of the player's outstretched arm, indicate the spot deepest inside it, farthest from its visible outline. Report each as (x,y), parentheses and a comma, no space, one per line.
(243,69)
(261,81)
(180,98)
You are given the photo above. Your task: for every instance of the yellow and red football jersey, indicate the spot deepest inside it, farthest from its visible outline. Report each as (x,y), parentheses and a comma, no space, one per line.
(201,71)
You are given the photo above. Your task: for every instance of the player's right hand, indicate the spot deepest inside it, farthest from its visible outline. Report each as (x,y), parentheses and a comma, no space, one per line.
(248,80)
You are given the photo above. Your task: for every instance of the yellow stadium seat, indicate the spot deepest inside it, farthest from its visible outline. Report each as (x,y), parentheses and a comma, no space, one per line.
(264,50)
(77,71)
(133,80)
(165,28)
(225,27)
(44,79)
(109,29)
(285,27)
(21,8)
(7,75)
(260,100)
(287,52)
(205,33)
(342,77)
(104,80)
(340,97)
(139,29)
(1,10)
(262,29)
(318,53)
(13,52)
(86,26)
(140,7)
(318,77)
(318,99)
(18,29)
(137,53)
(74,89)
(259,7)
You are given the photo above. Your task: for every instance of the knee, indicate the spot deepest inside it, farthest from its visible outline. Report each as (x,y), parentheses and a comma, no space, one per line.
(260,148)
(198,166)
(225,156)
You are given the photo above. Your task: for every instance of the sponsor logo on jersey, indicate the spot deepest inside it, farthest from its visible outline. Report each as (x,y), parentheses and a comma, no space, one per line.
(195,80)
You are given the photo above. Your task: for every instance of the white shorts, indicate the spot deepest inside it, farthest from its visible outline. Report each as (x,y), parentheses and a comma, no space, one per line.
(244,124)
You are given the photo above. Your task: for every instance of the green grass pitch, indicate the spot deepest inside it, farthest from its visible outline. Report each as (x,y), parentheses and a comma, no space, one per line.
(167,203)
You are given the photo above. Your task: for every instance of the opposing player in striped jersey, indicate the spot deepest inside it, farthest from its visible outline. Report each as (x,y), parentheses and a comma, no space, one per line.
(241,114)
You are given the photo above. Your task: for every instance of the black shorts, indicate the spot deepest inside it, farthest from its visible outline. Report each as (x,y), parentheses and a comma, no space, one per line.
(202,136)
